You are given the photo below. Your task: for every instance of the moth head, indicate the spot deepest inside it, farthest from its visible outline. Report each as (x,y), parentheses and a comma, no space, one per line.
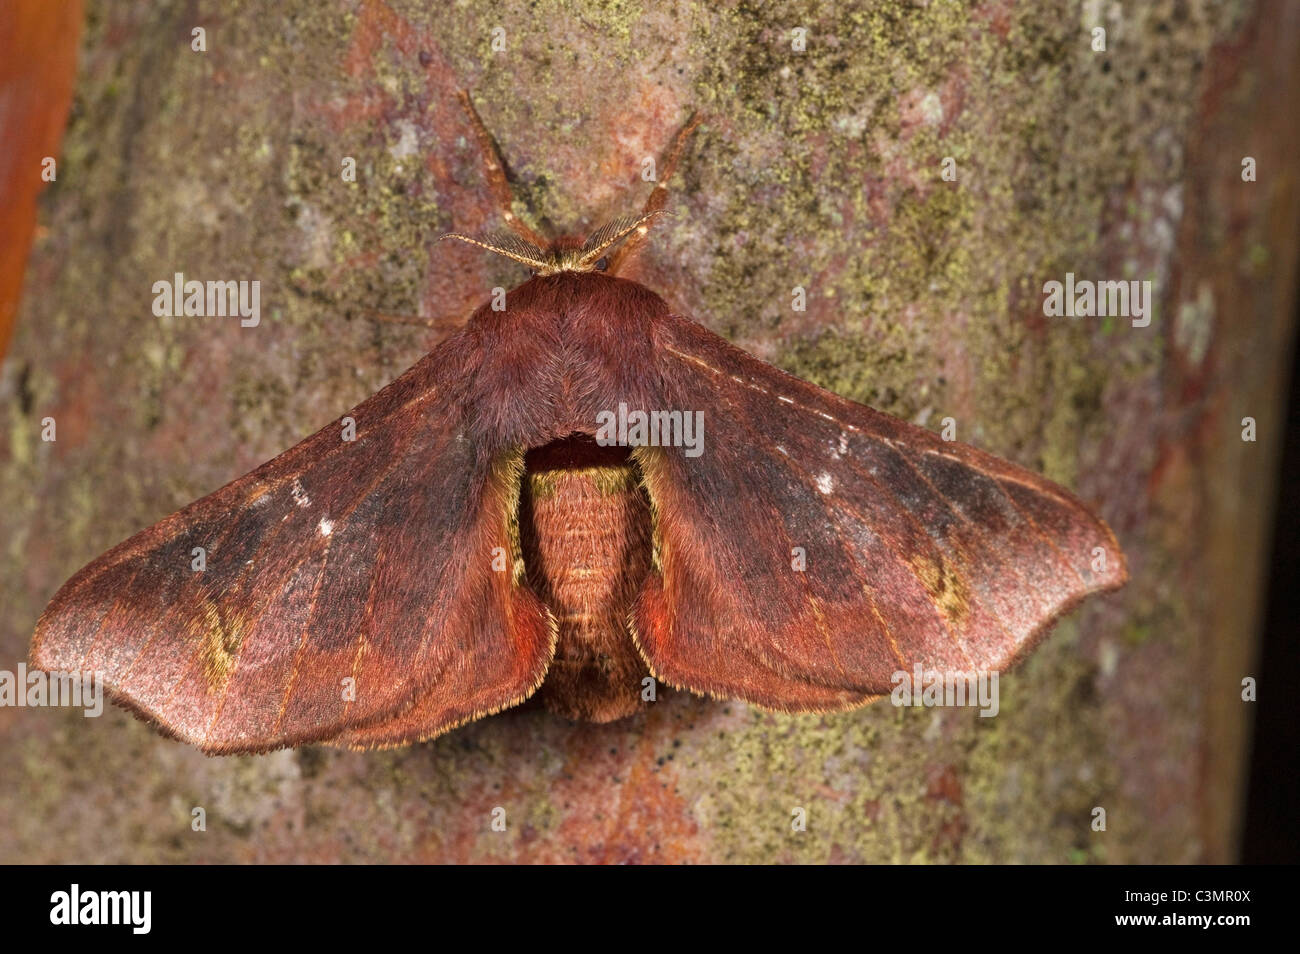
(591,255)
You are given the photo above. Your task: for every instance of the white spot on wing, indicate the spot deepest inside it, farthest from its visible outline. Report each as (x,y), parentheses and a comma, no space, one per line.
(825,482)
(326,526)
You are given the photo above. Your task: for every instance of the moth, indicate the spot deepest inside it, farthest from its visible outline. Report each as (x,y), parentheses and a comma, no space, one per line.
(478,540)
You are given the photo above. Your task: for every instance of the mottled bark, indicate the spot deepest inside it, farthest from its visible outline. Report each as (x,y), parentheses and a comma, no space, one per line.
(819,169)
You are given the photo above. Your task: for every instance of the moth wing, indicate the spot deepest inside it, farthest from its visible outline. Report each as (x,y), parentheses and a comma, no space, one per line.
(816,546)
(349,593)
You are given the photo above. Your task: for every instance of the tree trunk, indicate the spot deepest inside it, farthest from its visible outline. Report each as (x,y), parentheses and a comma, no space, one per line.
(820,167)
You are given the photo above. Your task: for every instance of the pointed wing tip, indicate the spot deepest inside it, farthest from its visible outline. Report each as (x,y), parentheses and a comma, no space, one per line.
(1114,578)
(1116,574)
(50,652)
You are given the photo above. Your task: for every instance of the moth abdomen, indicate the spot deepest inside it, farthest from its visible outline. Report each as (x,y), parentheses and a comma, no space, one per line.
(585,530)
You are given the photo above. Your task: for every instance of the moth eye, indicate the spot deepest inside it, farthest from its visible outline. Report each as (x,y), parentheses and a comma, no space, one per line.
(602,264)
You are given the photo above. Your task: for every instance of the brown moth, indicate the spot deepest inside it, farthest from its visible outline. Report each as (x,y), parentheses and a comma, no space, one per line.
(490,534)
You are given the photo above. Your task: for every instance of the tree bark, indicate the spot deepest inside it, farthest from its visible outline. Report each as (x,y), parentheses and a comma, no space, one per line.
(820,168)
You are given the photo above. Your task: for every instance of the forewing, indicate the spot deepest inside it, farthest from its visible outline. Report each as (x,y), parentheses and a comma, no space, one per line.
(349,586)
(816,546)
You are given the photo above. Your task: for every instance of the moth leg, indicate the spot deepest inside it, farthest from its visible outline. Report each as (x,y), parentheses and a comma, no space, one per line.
(495,170)
(659,194)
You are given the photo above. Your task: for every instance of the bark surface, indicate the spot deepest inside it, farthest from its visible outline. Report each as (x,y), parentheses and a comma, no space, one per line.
(820,168)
